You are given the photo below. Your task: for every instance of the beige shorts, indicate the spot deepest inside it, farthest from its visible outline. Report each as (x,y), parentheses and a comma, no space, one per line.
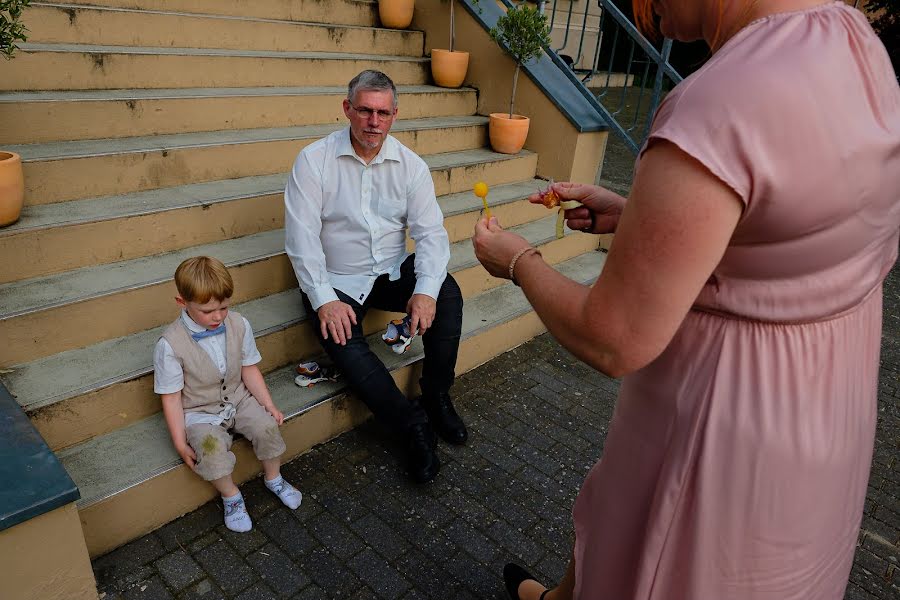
(212,443)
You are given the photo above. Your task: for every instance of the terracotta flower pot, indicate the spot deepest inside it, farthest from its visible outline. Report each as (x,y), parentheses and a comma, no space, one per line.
(396,14)
(12,188)
(507,135)
(449,68)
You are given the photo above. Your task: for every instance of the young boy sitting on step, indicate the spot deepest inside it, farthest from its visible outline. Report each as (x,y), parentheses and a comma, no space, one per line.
(205,369)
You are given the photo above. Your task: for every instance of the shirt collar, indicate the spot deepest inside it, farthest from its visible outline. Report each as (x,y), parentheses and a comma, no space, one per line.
(191,325)
(390,150)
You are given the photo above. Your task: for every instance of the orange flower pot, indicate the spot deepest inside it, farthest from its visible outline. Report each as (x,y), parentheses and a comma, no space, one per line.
(12,188)
(396,14)
(449,68)
(507,135)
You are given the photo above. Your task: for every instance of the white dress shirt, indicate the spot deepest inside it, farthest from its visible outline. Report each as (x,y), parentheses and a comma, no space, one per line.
(346,221)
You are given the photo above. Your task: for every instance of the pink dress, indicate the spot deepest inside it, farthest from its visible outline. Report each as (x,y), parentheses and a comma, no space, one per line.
(736,463)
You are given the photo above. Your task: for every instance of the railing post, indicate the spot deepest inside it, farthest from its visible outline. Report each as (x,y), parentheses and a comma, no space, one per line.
(657,84)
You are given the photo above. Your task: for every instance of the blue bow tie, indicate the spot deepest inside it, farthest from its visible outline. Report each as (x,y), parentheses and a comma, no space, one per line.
(208,332)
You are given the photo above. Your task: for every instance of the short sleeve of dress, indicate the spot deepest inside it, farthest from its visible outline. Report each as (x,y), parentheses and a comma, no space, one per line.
(705,123)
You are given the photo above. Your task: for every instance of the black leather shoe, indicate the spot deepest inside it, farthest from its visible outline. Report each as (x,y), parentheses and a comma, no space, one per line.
(424,463)
(513,576)
(444,419)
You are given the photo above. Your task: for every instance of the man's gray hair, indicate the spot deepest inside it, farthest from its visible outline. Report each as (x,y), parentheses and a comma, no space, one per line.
(370,80)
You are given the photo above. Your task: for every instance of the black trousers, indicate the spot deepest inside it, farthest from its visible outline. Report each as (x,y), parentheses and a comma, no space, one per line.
(367,375)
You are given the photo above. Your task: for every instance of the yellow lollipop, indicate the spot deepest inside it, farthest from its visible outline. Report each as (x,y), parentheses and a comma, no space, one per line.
(481,190)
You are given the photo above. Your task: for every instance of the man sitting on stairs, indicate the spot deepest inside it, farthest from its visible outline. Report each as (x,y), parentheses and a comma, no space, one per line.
(348,203)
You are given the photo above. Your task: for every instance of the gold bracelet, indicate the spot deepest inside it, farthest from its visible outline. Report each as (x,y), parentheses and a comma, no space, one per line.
(515,259)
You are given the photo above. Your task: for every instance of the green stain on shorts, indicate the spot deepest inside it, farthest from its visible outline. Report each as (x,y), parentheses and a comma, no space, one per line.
(210,445)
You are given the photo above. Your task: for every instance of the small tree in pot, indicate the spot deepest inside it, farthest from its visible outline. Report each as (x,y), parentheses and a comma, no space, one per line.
(12,183)
(448,67)
(522,32)
(11,28)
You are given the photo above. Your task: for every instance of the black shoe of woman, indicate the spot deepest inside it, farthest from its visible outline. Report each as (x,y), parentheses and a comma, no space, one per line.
(513,576)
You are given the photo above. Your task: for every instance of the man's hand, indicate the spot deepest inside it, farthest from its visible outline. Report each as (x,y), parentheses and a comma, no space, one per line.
(187,454)
(421,308)
(336,319)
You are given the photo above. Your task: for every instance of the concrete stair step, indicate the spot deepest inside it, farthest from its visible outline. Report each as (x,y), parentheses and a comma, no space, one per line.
(63,23)
(81,233)
(103,385)
(341,12)
(132,481)
(38,117)
(61,171)
(91,67)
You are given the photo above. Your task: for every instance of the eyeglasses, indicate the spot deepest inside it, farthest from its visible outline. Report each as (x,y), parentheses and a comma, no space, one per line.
(365,112)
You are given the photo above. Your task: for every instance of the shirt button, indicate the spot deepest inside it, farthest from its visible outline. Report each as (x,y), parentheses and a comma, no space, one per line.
(226,398)
(222,404)
(223,387)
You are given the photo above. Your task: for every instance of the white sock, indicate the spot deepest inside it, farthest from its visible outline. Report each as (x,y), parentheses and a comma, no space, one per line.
(236,516)
(288,494)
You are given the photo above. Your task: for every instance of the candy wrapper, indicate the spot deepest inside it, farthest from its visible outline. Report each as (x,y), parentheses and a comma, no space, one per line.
(551,200)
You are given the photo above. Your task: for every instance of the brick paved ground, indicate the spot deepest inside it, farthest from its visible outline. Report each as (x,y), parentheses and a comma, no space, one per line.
(538,419)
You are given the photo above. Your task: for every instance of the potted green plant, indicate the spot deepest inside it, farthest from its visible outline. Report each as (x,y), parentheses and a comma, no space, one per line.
(449,67)
(522,32)
(12,182)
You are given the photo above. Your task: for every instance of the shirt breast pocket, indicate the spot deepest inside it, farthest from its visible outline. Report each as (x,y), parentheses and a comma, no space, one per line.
(392,206)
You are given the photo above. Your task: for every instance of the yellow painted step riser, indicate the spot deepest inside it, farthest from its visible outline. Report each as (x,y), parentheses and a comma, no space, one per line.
(49,181)
(38,122)
(461,227)
(124,313)
(48,251)
(345,12)
(111,28)
(36,71)
(143,508)
(46,332)
(83,417)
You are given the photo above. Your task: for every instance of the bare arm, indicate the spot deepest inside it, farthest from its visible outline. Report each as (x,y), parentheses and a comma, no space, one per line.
(253,379)
(174,413)
(672,233)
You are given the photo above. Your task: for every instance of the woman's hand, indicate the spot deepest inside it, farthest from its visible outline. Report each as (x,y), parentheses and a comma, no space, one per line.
(605,205)
(495,247)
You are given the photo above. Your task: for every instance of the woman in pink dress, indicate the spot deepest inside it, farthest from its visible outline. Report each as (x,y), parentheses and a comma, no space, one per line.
(741,301)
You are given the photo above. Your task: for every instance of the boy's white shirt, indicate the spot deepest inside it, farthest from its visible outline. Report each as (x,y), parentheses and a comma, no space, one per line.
(168,377)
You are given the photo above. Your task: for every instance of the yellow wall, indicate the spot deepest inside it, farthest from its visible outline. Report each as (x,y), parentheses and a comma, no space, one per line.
(45,558)
(564,154)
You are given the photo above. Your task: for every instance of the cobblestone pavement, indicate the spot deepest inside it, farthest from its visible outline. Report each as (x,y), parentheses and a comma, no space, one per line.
(538,420)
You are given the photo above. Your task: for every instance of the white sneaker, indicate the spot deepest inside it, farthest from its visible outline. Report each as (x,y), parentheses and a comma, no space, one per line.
(311,373)
(398,336)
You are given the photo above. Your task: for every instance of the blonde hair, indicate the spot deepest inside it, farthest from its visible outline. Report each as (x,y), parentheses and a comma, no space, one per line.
(202,278)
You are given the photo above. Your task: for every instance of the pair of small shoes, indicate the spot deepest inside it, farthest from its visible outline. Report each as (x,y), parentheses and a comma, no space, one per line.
(398,334)
(311,373)
(513,576)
